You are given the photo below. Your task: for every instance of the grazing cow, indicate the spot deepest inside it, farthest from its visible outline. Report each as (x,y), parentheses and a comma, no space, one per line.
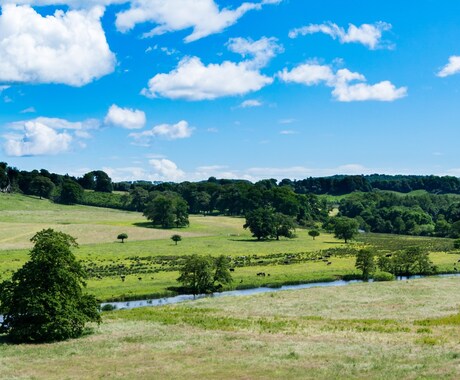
(232,269)
(261,274)
(123,278)
(388,255)
(139,278)
(329,263)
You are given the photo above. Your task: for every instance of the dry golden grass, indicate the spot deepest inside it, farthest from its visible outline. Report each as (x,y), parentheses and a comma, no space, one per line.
(365,331)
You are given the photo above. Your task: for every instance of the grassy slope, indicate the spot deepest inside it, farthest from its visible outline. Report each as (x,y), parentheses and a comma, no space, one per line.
(360,331)
(96,229)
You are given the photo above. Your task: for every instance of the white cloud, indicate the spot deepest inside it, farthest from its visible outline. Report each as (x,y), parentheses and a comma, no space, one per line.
(67,47)
(203,16)
(453,67)
(369,35)
(45,136)
(166,170)
(288,132)
(29,110)
(259,52)
(343,90)
(286,121)
(37,139)
(192,80)
(181,130)
(308,74)
(251,103)
(125,117)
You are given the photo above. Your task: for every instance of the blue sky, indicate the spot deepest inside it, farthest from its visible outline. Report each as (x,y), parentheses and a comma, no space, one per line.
(183,90)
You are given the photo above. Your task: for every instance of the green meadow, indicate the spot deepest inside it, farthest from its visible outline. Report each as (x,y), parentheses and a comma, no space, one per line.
(149,259)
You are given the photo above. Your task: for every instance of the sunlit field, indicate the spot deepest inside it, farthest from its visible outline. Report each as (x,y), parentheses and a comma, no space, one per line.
(398,330)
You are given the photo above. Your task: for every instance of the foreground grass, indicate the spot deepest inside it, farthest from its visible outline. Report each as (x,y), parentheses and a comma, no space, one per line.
(400,330)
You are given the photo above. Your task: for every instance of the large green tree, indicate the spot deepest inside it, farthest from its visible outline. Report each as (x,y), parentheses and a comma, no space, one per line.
(200,274)
(261,223)
(71,192)
(365,263)
(44,300)
(167,210)
(42,186)
(345,228)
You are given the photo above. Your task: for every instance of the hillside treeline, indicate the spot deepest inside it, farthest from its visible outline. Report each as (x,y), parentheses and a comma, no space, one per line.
(432,214)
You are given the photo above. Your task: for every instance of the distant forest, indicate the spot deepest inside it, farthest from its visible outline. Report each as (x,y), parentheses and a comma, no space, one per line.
(379,203)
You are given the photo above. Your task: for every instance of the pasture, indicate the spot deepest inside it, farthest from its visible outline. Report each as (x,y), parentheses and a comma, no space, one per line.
(149,260)
(398,330)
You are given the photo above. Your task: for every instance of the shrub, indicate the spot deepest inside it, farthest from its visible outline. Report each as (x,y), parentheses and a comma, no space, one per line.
(383,276)
(108,307)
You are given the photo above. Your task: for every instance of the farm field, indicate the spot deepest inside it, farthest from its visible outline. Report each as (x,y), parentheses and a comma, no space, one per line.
(397,330)
(149,259)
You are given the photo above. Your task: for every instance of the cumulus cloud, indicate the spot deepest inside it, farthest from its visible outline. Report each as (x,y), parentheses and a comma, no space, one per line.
(259,52)
(251,103)
(192,80)
(66,47)
(453,67)
(369,35)
(166,170)
(343,83)
(203,16)
(308,74)
(125,117)
(45,136)
(181,130)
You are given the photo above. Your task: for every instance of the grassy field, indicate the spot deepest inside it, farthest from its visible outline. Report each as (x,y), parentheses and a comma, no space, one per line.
(398,330)
(149,259)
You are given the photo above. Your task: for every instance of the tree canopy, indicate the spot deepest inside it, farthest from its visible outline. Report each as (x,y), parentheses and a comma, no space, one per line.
(44,300)
(167,210)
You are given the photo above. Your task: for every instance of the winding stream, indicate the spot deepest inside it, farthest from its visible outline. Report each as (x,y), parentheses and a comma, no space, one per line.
(245,292)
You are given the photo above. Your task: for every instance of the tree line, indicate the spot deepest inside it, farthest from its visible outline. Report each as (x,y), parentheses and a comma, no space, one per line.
(385,212)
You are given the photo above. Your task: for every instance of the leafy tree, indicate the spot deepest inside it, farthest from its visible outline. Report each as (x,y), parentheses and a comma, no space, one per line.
(103,182)
(314,233)
(410,261)
(139,198)
(4,181)
(261,223)
(176,238)
(41,186)
(199,274)
(44,300)
(180,212)
(283,225)
(365,262)
(122,237)
(71,192)
(345,228)
(167,210)
(196,274)
(222,273)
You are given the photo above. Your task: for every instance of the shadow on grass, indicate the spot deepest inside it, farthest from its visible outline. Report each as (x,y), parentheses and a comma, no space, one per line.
(154,227)
(253,240)
(334,242)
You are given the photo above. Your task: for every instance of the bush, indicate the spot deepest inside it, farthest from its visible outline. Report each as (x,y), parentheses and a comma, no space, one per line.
(44,300)
(457,243)
(108,307)
(383,276)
